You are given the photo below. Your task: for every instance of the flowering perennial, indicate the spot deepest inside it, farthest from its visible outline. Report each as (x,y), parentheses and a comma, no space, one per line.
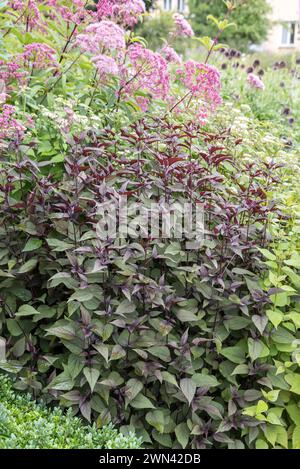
(29,10)
(39,56)
(126,12)
(11,71)
(183,27)
(148,72)
(255,81)
(203,82)
(170,54)
(77,13)
(9,126)
(106,66)
(104,35)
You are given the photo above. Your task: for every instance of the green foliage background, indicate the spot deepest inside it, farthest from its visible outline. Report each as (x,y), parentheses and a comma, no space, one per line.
(26,424)
(250,18)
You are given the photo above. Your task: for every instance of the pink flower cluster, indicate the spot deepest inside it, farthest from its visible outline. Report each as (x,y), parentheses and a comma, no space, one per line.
(98,37)
(255,81)
(170,54)
(76,13)
(29,9)
(126,12)
(105,8)
(204,83)
(183,27)
(10,71)
(148,72)
(39,56)
(9,126)
(106,66)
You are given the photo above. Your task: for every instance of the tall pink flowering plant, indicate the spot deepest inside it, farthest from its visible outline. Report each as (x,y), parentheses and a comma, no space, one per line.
(100,39)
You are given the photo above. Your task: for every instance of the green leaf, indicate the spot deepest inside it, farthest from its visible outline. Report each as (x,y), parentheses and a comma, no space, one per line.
(32,244)
(161,352)
(270,432)
(28,266)
(296,438)
(133,388)
(236,323)
(59,246)
(205,380)
(294,380)
(275,317)
(61,382)
(103,350)
(75,365)
(282,336)
(81,295)
(260,322)
(235,354)
(141,402)
(26,310)
(188,389)
(182,433)
(62,330)
(13,327)
(261,406)
(63,278)
(169,378)
(92,376)
(268,255)
(261,444)
(156,419)
(241,370)
(294,412)
(125,307)
(186,316)
(117,352)
(255,348)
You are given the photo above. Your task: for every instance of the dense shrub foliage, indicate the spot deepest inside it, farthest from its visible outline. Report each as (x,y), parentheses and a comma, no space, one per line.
(123,328)
(24,424)
(186,347)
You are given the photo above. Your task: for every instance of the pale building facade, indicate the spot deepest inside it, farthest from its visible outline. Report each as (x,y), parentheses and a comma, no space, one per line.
(179,6)
(284,34)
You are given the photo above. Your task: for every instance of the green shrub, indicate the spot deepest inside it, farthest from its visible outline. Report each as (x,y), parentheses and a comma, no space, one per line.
(281,410)
(27,424)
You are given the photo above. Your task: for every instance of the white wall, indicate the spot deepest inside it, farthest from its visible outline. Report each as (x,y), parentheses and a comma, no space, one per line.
(283,11)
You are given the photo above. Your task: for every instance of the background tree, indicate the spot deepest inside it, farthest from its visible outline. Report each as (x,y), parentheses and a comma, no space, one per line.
(149,4)
(251,18)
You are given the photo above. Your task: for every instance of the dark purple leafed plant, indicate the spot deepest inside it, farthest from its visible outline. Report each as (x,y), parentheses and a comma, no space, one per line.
(146,333)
